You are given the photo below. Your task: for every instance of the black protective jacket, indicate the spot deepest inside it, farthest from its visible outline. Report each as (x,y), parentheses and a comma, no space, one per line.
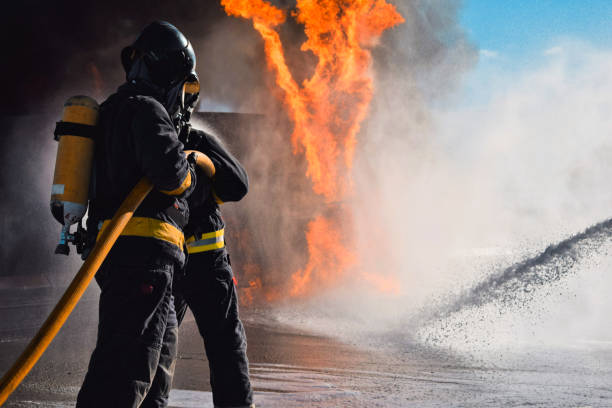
(138,139)
(230,183)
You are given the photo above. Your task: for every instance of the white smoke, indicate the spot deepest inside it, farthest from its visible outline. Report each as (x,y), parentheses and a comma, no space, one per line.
(447,190)
(448,196)
(539,151)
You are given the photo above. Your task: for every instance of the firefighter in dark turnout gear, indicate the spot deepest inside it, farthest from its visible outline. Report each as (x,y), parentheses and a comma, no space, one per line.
(133,362)
(207,284)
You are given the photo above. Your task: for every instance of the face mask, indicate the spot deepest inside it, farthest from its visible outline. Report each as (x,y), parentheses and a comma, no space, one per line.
(139,73)
(172,98)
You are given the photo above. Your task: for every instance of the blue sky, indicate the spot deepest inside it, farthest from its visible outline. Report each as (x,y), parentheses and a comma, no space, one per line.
(514,35)
(518,27)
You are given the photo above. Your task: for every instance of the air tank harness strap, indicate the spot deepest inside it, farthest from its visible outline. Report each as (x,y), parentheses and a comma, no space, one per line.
(206,242)
(151,228)
(75,129)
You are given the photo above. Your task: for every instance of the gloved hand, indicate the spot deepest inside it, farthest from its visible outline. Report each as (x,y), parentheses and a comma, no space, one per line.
(203,188)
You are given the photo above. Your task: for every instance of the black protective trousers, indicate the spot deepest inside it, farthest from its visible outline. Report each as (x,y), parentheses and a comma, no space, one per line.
(134,359)
(206,285)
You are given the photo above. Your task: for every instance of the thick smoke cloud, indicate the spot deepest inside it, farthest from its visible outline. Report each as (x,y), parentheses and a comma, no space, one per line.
(446,197)
(541,146)
(414,64)
(474,189)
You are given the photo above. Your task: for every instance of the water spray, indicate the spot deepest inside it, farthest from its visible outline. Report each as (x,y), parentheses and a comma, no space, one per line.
(525,277)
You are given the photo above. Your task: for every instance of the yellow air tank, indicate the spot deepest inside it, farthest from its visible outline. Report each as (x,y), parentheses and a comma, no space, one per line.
(73,164)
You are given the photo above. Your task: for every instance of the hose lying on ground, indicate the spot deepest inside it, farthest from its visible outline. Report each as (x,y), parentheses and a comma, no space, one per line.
(47,332)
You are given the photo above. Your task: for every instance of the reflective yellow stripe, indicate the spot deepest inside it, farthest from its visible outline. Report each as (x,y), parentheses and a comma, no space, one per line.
(184,186)
(206,242)
(208,235)
(151,228)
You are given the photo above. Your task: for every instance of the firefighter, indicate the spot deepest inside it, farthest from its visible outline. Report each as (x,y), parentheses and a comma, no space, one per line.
(133,362)
(207,284)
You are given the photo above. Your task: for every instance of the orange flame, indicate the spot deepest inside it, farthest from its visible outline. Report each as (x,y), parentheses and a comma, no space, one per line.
(327,109)
(326,254)
(246,293)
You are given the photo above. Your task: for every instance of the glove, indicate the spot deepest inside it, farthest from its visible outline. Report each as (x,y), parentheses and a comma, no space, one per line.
(203,188)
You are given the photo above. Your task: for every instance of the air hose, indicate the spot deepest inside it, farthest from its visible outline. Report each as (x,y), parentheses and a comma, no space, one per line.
(47,332)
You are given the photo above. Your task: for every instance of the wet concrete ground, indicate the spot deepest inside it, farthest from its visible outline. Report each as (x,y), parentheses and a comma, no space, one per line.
(294,368)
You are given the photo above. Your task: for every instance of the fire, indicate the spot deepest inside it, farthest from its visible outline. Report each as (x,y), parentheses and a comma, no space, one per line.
(384,284)
(247,293)
(328,108)
(254,289)
(326,254)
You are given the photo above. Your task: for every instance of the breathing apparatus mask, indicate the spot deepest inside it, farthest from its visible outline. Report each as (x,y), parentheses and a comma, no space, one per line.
(188,103)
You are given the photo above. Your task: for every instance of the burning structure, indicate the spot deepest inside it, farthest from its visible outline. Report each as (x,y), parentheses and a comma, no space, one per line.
(326,112)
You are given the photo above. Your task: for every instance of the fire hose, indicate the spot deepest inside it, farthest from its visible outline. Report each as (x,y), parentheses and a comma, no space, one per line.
(58,316)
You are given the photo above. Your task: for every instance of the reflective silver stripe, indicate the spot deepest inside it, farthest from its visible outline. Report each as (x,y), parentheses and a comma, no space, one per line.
(208,241)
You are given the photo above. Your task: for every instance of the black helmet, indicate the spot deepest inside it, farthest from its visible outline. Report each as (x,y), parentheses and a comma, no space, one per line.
(166,52)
